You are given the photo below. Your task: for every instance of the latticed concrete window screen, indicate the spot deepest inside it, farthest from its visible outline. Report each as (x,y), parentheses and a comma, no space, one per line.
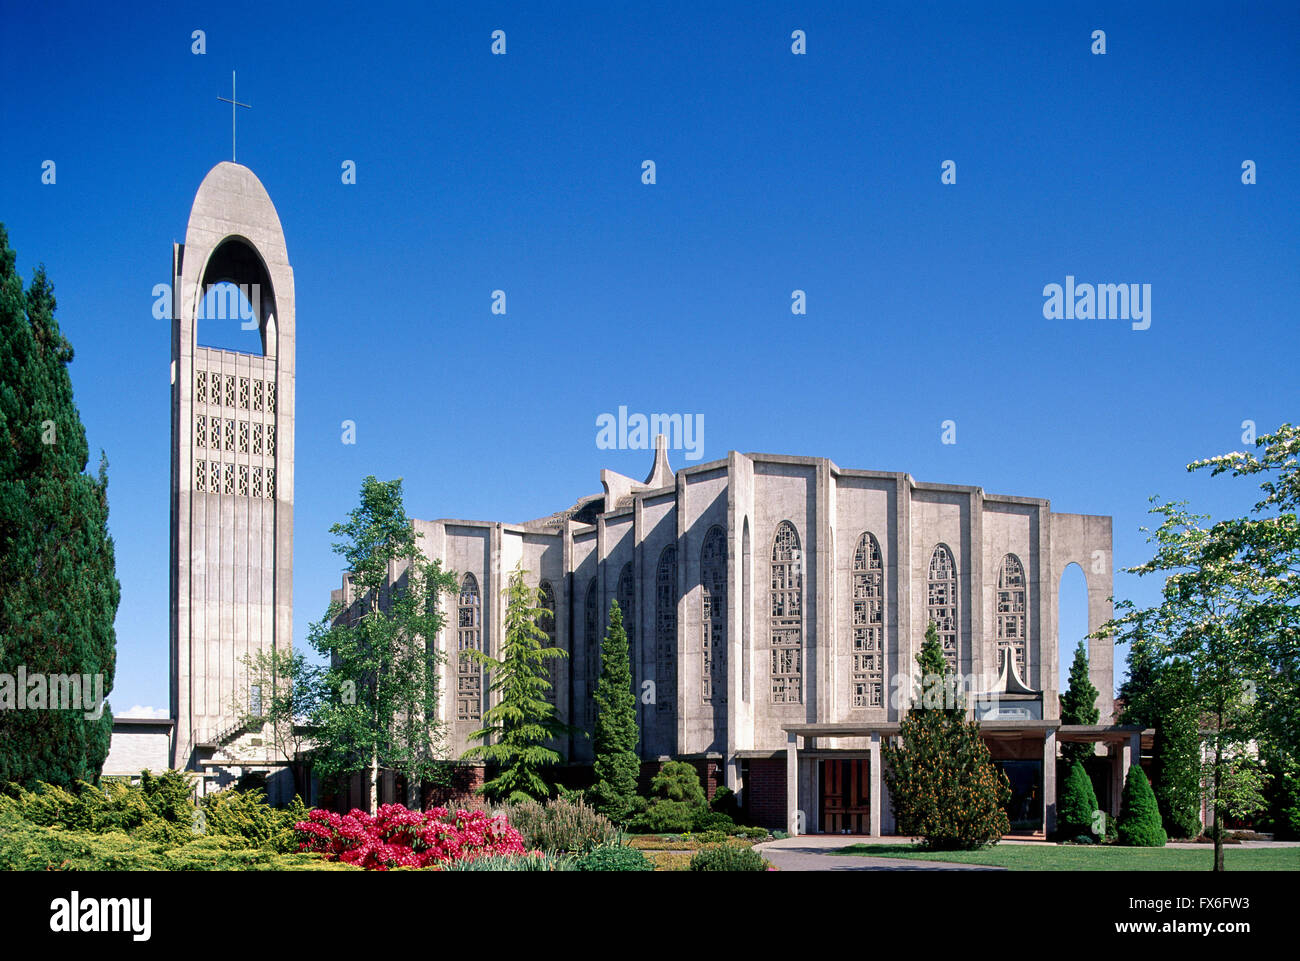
(942,602)
(868,624)
(257,482)
(230,390)
(257,439)
(200,475)
(469,637)
(200,431)
(713,611)
(270,483)
(270,397)
(546,601)
(1011,612)
(270,440)
(201,387)
(666,632)
(787,616)
(627,604)
(591,641)
(257,395)
(230,435)
(243,393)
(243,437)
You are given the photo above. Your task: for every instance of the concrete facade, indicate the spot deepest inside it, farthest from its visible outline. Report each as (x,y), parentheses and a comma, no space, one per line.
(767,592)
(139,744)
(232,465)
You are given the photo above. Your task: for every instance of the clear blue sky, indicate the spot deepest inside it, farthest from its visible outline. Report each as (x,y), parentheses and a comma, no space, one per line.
(775,172)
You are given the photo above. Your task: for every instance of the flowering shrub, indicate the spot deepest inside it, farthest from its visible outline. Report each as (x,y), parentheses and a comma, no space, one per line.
(400,838)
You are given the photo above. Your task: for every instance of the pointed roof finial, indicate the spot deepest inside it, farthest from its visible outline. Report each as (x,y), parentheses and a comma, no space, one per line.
(661,475)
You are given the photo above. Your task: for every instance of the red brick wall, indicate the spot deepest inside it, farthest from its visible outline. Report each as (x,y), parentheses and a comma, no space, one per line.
(765,793)
(355,792)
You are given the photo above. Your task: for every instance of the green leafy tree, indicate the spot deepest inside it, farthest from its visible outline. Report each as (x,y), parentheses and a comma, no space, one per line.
(1079,705)
(1076,804)
(379,704)
(1139,815)
(58,585)
(1156,695)
(616,762)
(290,691)
(1206,620)
(517,728)
(1260,556)
(941,778)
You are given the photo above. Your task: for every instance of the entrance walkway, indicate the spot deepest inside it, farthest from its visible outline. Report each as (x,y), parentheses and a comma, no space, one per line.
(811,852)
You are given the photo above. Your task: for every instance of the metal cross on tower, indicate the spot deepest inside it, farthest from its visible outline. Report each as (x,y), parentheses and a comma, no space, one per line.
(233,104)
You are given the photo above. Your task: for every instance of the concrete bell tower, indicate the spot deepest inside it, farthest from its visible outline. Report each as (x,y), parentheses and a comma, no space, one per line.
(232,460)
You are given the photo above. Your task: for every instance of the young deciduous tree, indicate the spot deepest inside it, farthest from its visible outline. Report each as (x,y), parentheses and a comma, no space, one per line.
(379,706)
(289,692)
(1156,695)
(1262,555)
(616,762)
(516,729)
(942,781)
(58,584)
(1205,620)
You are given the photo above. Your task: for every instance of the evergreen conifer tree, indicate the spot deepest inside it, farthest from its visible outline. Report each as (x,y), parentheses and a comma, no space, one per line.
(1139,815)
(1076,805)
(616,761)
(1079,705)
(942,781)
(58,585)
(516,728)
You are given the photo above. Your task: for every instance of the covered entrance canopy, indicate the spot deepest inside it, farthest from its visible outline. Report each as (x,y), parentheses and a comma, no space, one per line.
(1031,739)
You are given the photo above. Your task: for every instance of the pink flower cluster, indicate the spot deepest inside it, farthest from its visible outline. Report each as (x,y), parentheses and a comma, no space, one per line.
(398,837)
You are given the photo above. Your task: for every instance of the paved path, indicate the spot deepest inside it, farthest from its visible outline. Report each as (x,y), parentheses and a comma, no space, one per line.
(811,852)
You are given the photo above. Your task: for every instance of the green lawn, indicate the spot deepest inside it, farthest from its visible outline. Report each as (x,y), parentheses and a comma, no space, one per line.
(1070,857)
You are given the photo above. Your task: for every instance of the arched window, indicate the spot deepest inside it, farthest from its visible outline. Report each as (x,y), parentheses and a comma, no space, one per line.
(942,602)
(546,621)
(469,637)
(787,616)
(868,624)
(666,632)
(713,580)
(1011,612)
(591,640)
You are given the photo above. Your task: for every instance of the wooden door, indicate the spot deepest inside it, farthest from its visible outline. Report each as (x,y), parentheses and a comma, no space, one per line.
(846,796)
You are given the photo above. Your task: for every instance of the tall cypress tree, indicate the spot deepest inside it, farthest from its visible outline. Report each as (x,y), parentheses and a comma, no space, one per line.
(58,587)
(616,765)
(1079,706)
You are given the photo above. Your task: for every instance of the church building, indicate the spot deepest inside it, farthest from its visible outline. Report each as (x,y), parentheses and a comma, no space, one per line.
(774,604)
(774,607)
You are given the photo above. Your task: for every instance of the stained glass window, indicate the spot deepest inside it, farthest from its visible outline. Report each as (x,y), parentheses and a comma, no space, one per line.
(941,604)
(787,616)
(1012,612)
(469,637)
(868,680)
